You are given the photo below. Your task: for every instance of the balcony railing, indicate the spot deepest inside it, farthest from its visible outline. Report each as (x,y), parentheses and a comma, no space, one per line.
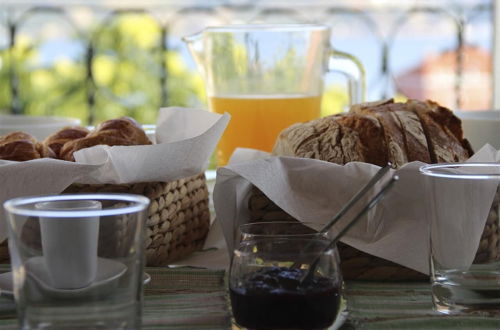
(94,60)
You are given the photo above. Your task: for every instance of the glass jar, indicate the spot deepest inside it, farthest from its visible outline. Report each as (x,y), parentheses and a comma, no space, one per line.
(268,284)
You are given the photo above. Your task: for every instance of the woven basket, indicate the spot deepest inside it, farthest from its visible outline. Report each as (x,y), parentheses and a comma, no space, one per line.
(358,265)
(177,224)
(178,217)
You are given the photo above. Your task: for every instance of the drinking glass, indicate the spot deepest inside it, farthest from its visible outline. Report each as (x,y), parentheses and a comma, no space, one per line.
(268,77)
(463,210)
(77,260)
(266,281)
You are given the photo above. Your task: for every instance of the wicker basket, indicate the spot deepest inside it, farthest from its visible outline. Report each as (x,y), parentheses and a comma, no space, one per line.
(356,264)
(178,217)
(177,224)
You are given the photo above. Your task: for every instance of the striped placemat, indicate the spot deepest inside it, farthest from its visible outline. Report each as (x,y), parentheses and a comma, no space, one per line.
(408,305)
(184,298)
(174,299)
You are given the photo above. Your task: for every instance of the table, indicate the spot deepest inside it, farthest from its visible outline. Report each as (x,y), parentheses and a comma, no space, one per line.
(184,298)
(175,299)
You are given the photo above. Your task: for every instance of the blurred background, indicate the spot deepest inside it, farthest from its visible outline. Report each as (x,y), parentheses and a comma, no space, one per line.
(96,60)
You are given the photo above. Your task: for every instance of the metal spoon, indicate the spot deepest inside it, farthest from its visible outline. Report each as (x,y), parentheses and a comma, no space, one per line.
(379,175)
(308,275)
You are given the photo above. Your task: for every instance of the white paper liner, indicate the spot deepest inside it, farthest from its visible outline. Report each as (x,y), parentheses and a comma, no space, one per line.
(312,190)
(185,140)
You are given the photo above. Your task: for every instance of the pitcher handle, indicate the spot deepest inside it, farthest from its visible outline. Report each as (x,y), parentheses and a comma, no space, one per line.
(356,82)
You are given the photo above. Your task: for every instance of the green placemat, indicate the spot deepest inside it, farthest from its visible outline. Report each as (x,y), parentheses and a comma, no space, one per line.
(197,299)
(375,305)
(174,299)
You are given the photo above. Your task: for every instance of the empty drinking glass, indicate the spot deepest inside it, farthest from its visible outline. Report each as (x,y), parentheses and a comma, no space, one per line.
(77,260)
(463,210)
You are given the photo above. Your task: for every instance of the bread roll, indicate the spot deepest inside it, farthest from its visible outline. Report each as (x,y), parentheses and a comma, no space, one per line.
(58,139)
(20,146)
(115,132)
(378,132)
(124,128)
(45,151)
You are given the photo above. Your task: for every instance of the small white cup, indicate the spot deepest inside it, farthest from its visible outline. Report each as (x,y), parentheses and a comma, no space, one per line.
(481,127)
(38,126)
(69,244)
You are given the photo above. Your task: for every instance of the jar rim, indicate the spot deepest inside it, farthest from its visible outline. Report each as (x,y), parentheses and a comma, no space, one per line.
(308,227)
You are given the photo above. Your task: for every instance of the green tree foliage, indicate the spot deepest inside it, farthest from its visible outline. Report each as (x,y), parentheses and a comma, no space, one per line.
(127,66)
(335,100)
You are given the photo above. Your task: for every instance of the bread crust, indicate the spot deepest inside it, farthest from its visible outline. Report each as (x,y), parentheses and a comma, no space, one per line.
(413,132)
(19,146)
(114,132)
(371,137)
(323,139)
(393,131)
(445,140)
(378,132)
(56,140)
(124,128)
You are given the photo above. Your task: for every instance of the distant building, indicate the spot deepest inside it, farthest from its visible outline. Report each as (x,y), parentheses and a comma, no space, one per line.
(435,79)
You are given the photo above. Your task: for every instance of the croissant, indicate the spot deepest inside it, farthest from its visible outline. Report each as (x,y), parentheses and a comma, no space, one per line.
(20,146)
(125,128)
(57,140)
(115,132)
(380,132)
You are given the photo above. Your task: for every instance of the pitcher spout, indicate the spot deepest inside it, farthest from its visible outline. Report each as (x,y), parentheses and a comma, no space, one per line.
(194,43)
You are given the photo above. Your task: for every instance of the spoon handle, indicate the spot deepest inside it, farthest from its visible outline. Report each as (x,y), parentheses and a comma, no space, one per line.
(374,201)
(380,173)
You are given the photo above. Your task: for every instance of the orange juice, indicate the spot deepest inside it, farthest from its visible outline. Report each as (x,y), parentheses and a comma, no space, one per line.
(257,120)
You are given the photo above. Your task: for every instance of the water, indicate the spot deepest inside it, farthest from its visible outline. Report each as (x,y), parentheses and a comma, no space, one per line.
(478,289)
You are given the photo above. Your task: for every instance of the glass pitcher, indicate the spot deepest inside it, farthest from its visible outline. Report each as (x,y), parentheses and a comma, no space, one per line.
(267,77)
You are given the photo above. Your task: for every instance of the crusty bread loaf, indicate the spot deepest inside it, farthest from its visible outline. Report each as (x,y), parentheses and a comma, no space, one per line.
(379,132)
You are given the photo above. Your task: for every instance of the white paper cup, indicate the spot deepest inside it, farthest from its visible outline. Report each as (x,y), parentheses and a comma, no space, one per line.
(69,244)
(38,126)
(481,127)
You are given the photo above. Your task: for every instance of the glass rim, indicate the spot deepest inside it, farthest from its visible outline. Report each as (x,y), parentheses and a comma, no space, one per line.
(280,27)
(278,235)
(19,205)
(435,170)
(318,242)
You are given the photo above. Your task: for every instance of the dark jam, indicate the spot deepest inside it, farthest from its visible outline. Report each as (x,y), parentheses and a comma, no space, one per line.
(272,298)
